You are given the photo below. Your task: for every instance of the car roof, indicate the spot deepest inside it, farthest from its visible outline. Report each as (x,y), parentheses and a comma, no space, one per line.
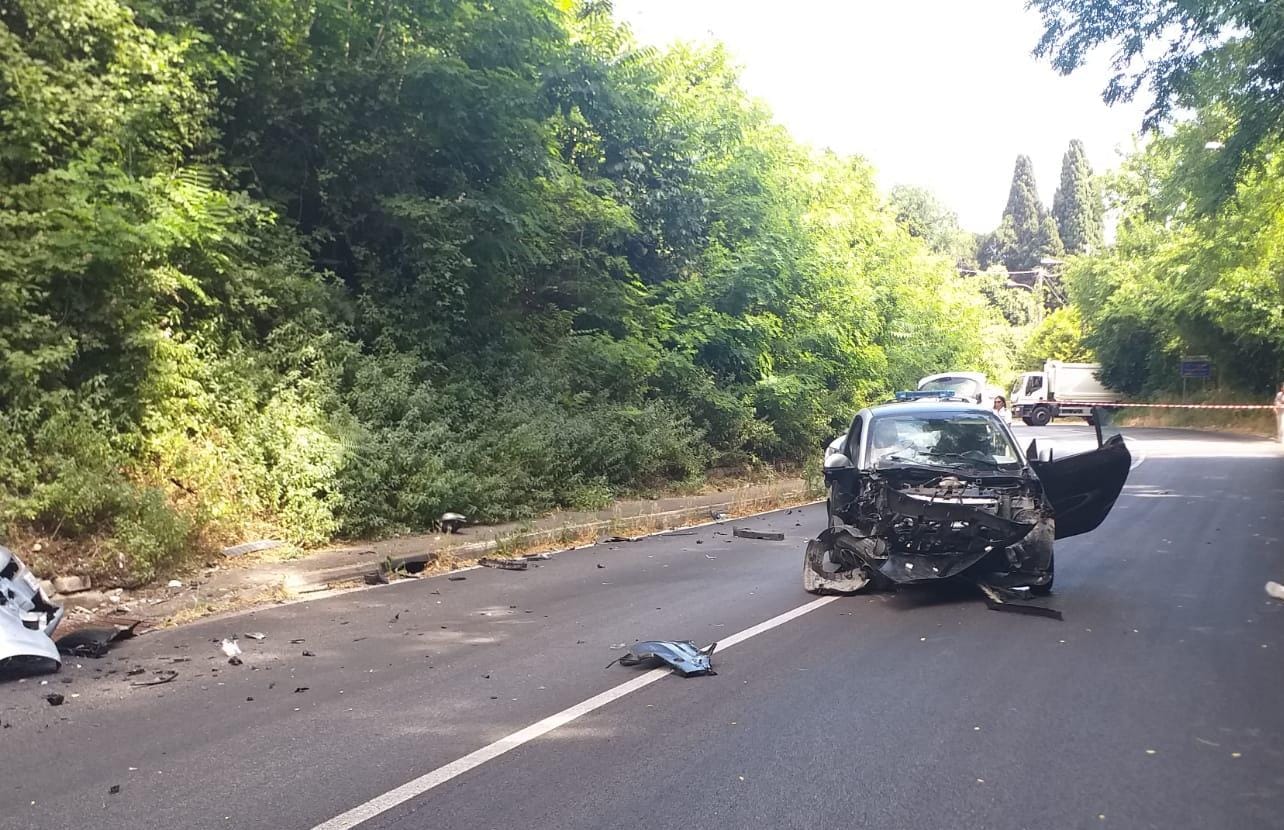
(929,407)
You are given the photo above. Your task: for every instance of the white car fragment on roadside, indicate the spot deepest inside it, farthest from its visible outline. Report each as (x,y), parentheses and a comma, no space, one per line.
(27,620)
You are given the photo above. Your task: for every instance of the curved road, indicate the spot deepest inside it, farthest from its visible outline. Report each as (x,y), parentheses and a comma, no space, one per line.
(1155,703)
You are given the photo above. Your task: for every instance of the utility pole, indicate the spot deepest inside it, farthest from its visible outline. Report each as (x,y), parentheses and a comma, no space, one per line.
(1038,293)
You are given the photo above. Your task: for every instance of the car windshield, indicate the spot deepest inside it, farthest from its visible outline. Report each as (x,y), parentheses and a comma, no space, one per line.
(959,439)
(961,387)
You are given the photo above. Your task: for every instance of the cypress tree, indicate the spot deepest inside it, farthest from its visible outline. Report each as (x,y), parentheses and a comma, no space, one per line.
(1077,204)
(1023,244)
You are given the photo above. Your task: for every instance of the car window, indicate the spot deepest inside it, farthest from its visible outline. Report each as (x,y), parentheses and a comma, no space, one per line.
(961,387)
(1034,384)
(947,440)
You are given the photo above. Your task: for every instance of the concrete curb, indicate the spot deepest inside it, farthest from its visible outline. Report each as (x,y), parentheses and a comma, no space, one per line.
(661,522)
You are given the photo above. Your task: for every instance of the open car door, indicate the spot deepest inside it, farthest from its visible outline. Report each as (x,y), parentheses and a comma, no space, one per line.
(1082,488)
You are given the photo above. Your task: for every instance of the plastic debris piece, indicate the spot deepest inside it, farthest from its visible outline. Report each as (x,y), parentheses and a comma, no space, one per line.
(452,522)
(251,547)
(174,583)
(97,641)
(114,789)
(54,699)
(504,564)
(456,578)
(233,652)
(1275,590)
(682,655)
(765,535)
(160,679)
(256,635)
(27,621)
(1001,599)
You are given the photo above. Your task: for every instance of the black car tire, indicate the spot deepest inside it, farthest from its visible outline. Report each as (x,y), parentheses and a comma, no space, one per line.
(1028,422)
(1045,589)
(1040,416)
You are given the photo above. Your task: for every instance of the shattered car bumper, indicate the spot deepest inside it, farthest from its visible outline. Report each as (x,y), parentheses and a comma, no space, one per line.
(902,531)
(27,620)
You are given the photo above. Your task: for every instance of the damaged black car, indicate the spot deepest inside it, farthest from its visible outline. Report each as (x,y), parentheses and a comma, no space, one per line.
(938,489)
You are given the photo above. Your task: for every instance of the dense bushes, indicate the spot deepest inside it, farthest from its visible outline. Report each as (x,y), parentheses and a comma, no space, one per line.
(335,270)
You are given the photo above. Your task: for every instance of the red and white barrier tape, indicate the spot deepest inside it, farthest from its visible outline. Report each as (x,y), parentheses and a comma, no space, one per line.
(1168,405)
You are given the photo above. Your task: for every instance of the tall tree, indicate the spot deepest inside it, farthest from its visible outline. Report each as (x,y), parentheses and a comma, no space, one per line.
(1022,238)
(1077,204)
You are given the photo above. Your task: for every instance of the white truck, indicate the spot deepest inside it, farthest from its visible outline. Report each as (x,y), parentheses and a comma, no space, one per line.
(1061,390)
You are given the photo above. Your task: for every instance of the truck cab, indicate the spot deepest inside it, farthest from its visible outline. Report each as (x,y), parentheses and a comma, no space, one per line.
(969,386)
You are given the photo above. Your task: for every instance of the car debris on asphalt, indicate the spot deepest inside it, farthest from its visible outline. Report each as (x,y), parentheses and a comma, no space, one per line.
(1275,590)
(504,564)
(233,651)
(765,535)
(27,621)
(1012,600)
(159,679)
(683,656)
(95,641)
(256,635)
(54,699)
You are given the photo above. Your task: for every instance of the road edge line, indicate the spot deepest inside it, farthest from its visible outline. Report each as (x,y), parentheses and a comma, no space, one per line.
(416,787)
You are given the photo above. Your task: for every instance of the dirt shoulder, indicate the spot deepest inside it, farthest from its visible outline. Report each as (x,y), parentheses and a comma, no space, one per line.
(283,574)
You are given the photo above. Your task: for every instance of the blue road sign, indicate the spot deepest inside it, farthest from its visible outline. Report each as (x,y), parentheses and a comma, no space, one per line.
(1196,366)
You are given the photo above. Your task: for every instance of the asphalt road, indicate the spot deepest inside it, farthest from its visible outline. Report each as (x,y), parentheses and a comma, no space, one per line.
(1155,703)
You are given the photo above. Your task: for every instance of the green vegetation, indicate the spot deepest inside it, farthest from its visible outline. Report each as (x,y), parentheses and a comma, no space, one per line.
(332,269)
(1199,257)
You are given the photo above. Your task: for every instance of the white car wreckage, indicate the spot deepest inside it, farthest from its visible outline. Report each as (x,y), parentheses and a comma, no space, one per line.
(27,621)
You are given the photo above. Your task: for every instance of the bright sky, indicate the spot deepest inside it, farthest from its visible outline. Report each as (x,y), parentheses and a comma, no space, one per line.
(938,93)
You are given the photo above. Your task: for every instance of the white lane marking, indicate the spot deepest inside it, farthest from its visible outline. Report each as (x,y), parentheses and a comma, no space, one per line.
(418,786)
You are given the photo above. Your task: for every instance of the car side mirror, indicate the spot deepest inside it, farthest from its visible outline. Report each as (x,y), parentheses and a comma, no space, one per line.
(1032,451)
(837,461)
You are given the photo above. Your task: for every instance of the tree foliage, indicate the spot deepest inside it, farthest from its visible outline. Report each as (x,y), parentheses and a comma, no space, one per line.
(337,268)
(1181,281)
(1077,207)
(1024,236)
(1224,54)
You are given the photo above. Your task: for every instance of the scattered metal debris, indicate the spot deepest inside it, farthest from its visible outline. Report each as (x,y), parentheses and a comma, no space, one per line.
(452,522)
(537,557)
(27,620)
(683,655)
(718,515)
(54,699)
(251,547)
(504,564)
(300,689)
(256,635)
(308,654)
(1275,590)
(114,789)
(765,535)
(160,679)
(999,598)
(233,652)
(95,642)
(623,539)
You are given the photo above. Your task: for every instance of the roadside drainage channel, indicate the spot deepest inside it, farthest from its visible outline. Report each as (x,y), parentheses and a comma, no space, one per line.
(684,518)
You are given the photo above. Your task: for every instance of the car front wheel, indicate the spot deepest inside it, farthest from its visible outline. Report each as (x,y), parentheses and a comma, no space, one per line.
(1046,588)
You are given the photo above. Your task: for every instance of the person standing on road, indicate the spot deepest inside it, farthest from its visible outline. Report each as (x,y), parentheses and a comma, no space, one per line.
(1279,415)
(1001,408)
